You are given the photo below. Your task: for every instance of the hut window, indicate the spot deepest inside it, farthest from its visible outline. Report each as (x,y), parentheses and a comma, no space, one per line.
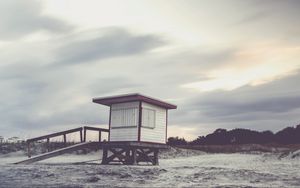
(125,117)
(148,118)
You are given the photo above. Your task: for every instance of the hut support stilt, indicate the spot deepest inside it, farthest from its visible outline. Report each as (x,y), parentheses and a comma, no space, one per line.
(129,155)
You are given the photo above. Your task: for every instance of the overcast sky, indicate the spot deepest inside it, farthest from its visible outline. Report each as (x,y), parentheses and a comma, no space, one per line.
(226,64)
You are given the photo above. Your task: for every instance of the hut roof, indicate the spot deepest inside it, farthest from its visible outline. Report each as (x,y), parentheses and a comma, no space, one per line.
(108,101)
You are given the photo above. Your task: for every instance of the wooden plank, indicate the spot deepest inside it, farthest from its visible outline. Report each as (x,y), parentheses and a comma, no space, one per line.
(129,155)
(144,157)
(54,135)
(136,144)
(48,144)
(84,135)
(65,138)
(156,157)
(116,154)
(95,129)
(104,156)
(128,158)
(134,157)
(28,149)
(140,121)
(81,139)
(60,152)
(99,136)
(109,123)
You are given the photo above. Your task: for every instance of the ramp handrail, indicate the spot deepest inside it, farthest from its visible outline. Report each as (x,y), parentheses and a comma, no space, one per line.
(55,135)
(64,133)
(85,128)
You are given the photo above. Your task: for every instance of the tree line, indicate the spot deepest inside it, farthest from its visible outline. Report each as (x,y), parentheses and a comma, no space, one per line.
(289,135)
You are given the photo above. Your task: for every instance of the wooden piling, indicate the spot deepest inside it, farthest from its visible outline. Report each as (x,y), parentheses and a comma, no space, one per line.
(104,156)
(28,150)
(131,153)
(134,157)
(155,154)
(84,135)
(48,144)
(81,140)
(65,139)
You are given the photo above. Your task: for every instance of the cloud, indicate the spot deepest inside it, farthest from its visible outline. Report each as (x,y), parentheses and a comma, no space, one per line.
(44,103)
(21,18)
(270,106)
(256,64)
(35,97)
(111,85)
(277,104)
(276,96)
(253,70)
(38,97)
(252,18)
(108,43)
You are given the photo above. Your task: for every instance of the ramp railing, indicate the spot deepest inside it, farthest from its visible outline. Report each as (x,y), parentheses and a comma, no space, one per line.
(64,134)
(100,130)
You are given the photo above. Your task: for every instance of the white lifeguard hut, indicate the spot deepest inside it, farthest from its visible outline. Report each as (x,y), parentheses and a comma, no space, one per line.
(137,128)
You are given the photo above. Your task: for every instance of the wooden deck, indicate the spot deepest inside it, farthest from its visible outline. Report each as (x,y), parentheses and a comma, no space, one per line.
(124,152)
(136,144)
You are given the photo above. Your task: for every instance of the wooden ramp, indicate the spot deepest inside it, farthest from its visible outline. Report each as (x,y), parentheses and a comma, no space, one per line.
(55,153)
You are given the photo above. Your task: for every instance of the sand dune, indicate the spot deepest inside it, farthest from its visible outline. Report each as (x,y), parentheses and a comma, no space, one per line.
(178,168)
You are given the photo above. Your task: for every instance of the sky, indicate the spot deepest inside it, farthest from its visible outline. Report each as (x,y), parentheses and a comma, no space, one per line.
(225,64)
